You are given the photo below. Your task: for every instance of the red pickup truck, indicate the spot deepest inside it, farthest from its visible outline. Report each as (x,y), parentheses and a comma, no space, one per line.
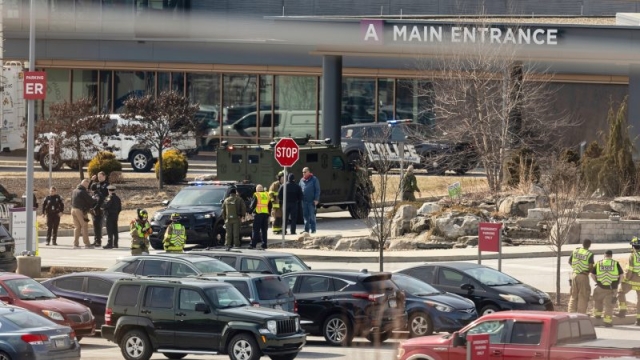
(520,335)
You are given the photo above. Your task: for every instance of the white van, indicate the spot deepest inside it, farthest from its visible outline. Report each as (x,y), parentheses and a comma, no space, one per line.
(285,123)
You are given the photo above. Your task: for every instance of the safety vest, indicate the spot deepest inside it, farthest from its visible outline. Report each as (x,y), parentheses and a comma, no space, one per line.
(231,208)
(634,263)
(178,238)
(607,272)
(262,206)
(580,260)
(140,230)
(273,194)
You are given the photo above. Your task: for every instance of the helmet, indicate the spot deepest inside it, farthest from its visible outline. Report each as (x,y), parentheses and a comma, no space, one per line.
(635,242)
(143,214)
(175,217)
(280,174)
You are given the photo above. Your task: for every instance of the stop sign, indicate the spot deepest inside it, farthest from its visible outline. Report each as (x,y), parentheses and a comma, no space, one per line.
(286,152)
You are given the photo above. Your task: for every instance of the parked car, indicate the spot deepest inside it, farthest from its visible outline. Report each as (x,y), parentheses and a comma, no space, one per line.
(523,335)
(262,290)
(23,291)
(170,265)
(430,309)
(90,289)
(490,289)
(256,260)
(8,261)
(341,304)
(203,317)
(25,335)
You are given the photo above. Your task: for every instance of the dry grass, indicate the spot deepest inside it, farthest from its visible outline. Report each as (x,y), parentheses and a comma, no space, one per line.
(432,186)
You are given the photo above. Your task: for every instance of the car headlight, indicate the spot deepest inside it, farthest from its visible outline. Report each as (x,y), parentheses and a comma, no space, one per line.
(272,327)
(512,298)
(439,307)
(203,216)
(53,315)
(297,324)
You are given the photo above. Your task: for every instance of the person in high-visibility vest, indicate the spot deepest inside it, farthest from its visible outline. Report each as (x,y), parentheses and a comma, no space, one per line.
(176,235)
(276,213)
(260,208)
(631,281)
(140,229)
(607,274)
(581,261)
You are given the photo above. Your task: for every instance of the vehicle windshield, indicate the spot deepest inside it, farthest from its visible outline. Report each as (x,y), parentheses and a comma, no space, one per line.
(26,320)
(211,266)
(29,289)
(491,277)
(194,196)
(272,287)
(226,297)
(414,286)
(287,264)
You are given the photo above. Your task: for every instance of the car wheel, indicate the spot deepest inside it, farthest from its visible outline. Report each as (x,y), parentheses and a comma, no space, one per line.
(73,165)
(174,356)
(378,338)
(420,325)
(283,357)
(337,330)
(141,161)
(218,236)
(56,163)
(355,158)
(135,345)
(362,206)
(489,309)
(4,356)
(243,347)
(156,244)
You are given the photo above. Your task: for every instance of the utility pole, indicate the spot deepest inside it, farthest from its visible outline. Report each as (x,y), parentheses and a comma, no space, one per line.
(30,134)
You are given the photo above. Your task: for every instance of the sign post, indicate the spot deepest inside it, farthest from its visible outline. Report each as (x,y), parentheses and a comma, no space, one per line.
(286,153)
(52,151)
(489,239)
(478,347)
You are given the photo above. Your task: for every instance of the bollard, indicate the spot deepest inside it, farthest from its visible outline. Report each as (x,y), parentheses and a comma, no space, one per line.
(29,266)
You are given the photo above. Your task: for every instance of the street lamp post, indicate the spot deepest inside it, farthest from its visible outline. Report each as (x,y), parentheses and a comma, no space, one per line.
(30,135)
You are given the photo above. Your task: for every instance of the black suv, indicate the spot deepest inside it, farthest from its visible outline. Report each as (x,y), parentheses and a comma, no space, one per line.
(8,261)
(171,265)
(339,304)
(196,316)
(436,156)
(256,260)
(200,206)
(262,290)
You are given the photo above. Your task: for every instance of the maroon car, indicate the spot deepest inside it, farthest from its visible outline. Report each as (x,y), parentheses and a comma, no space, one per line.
(27,293)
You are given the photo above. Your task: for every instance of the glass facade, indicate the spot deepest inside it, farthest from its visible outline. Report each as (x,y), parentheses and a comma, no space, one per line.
(58,88)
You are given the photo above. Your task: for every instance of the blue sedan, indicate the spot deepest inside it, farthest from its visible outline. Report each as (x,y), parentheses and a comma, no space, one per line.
(25,335)
(432,310)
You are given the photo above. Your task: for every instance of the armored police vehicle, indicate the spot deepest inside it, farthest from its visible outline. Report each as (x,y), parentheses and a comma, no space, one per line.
(342,183)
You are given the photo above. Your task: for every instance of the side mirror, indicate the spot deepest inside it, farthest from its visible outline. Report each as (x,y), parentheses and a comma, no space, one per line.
(165,202)
(458,340)
(6,299)
(467,287)
(203,308)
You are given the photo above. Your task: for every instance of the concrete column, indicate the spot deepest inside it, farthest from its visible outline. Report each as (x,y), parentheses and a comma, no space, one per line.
(633,108)
(331,98)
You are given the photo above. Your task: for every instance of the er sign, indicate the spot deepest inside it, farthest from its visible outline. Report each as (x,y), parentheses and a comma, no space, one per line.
(35,85)
(286,152)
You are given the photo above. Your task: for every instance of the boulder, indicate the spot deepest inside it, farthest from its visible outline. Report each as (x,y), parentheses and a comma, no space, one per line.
(375,227)
(517,205)
(539,214)
(573,235)
(542,201)
(403,244)
(453,225)
(420,224)
(626,204)
(527,223)
(430,246)
(517,232)
(597,207)
(468,240)
(428,208)
(322,241)
(354,244)
(401,222)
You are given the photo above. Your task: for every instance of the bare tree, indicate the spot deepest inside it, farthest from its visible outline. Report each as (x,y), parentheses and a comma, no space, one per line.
(77,130)
(158,122)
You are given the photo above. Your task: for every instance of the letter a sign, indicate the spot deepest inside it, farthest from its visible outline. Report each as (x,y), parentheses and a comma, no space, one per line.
(35,85)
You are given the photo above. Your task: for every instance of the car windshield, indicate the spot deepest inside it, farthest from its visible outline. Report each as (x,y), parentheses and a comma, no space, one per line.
(272,287)
(491,277)
(211,266)
(3,232)
(194,196)
(287,264)
(26,320)
(414,286)
(29,289)
(226,297)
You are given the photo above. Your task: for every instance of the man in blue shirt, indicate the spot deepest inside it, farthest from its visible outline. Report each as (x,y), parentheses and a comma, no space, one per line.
(310,198)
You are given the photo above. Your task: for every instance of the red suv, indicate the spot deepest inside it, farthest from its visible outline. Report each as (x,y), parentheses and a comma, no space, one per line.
(27,293)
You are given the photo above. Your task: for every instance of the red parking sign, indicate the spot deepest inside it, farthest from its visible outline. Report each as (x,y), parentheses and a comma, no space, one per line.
(489,236)
(478,346)
(35,85)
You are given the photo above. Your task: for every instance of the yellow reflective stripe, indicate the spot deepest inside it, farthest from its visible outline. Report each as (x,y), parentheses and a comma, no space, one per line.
(262,206)
(580,260)
(607,271)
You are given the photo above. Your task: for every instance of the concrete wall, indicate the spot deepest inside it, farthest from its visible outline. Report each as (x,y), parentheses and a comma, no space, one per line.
(608,231)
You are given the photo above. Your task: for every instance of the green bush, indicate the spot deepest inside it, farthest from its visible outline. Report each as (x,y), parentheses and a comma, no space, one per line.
(104,161)
(174,167)
(523,167)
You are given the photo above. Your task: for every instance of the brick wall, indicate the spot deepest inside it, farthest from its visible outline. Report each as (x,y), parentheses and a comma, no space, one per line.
(602,231)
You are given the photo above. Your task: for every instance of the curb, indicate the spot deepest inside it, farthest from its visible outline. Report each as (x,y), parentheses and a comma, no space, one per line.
(627,320)
(69,232)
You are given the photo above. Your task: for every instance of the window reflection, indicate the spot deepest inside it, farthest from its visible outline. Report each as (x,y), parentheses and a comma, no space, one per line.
(411,102)
(295,97)
(58,88)
(131,84)
(85,85)
(385,99)
(204,89)
(358,101)
(106,91)
(240,108)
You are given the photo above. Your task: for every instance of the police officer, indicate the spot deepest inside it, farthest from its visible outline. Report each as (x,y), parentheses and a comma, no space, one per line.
(99,185)
(176,235)
(581,261)
(631,281)
(275,203)
(410,185)
(140,229)
(52,208)
(112,208)
(607,274)
(260,208)
(233,210)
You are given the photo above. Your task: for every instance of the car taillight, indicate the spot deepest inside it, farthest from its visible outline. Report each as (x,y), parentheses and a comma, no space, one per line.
(35,339)
(370,297)
(107,316)
(295,306)
(255,304)
(72,335)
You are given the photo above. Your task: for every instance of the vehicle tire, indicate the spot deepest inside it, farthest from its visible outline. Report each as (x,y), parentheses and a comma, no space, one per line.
(488,309)
(78,338)
(73,165)
(355,158)
(337,330)
(44,161)
(362,207)
(156,244)
(378,338)
(5,356)
(219,234)
(213,145)
(420,324)
(135,345)
(174,356)
(141,161)
(283,357)
(243,347)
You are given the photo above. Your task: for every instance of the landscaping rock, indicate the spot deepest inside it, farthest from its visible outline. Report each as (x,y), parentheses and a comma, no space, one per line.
(539,214)
(626,204)
(517,232)
(403,244)
(597,207)
(542,201)
(428,208)
(573,236)
(593,215)
(527,223)
(354,244)
(401,222)
(430,246)
(517,205)
(323,241)
(453,225)
(420,224)
(468,241)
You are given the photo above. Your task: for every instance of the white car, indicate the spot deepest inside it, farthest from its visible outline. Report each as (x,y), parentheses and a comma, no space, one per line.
(124,147)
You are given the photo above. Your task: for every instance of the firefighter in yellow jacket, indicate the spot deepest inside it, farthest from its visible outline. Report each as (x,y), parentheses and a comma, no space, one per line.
(276,211)
(607,274)
(140,229)
(631,281)
(581,261)
(176,235)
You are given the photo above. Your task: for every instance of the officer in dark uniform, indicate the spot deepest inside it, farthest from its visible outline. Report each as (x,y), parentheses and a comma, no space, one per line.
(52,208)
(99,185)
(112,207)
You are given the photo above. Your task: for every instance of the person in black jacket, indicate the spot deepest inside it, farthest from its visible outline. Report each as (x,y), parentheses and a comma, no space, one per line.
(294,201)
(98,186)
(112,207)
(81,203)
(52,208)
